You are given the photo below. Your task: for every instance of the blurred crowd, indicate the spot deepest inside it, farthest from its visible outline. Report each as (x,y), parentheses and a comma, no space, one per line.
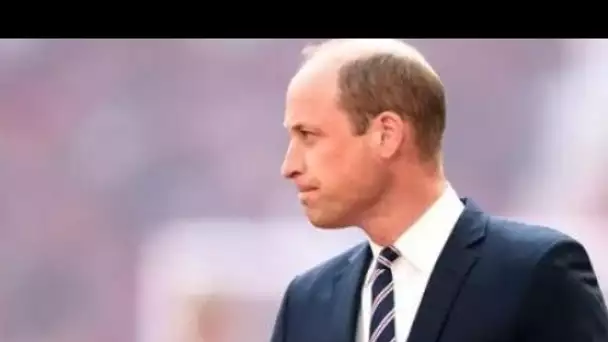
(132,170)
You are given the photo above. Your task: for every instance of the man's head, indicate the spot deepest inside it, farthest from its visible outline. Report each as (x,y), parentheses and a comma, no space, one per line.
(362,115)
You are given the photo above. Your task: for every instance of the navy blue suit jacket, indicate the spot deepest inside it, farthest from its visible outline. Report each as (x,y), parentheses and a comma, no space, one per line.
(496,280)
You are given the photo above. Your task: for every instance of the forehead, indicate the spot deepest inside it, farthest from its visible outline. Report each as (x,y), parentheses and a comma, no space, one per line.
(312,98)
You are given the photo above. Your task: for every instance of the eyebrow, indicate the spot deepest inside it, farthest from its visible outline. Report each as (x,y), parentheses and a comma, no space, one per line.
(300,127)
(295,127)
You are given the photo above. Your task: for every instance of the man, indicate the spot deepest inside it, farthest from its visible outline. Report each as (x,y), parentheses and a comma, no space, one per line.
(366,119)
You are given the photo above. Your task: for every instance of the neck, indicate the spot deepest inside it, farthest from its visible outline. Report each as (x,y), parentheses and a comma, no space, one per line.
(403,205)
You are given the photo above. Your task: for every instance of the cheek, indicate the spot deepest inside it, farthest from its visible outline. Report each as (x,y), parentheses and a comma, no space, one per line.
(322,167)
(359,170)
(341,166)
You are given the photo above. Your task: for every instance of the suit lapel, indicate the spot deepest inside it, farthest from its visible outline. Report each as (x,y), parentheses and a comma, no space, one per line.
(451,269)
(346,295)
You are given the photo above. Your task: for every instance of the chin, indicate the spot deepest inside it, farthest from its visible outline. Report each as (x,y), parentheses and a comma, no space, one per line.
(328,223)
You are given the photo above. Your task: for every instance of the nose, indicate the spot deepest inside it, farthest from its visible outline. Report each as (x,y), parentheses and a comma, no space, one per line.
(292,164)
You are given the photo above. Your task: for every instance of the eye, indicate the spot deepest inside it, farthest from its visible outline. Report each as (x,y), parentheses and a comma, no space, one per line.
(306,134)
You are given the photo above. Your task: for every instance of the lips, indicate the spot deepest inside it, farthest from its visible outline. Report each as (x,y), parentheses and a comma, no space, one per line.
(303,188)
(304,193)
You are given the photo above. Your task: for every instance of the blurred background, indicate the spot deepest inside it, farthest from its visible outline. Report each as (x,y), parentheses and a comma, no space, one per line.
(140,195)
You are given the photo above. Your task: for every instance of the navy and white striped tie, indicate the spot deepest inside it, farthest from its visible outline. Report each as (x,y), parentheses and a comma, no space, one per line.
(382,326)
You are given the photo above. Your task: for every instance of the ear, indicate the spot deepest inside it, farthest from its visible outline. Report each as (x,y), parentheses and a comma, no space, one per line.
(388,132)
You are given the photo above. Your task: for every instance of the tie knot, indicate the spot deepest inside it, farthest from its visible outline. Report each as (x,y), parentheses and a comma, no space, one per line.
(387,256)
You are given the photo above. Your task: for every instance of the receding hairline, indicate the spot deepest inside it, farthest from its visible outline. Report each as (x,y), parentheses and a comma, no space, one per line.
(379,75)
(341,51)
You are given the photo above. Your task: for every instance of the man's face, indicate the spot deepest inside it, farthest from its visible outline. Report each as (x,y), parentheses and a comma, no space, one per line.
(337,173)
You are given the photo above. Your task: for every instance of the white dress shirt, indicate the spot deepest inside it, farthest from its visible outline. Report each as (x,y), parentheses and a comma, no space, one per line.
(420,247)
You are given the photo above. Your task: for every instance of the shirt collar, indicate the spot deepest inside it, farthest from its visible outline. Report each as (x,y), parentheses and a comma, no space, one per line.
(422,243)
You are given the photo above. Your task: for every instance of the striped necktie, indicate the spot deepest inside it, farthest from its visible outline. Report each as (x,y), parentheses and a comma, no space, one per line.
(382,325)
